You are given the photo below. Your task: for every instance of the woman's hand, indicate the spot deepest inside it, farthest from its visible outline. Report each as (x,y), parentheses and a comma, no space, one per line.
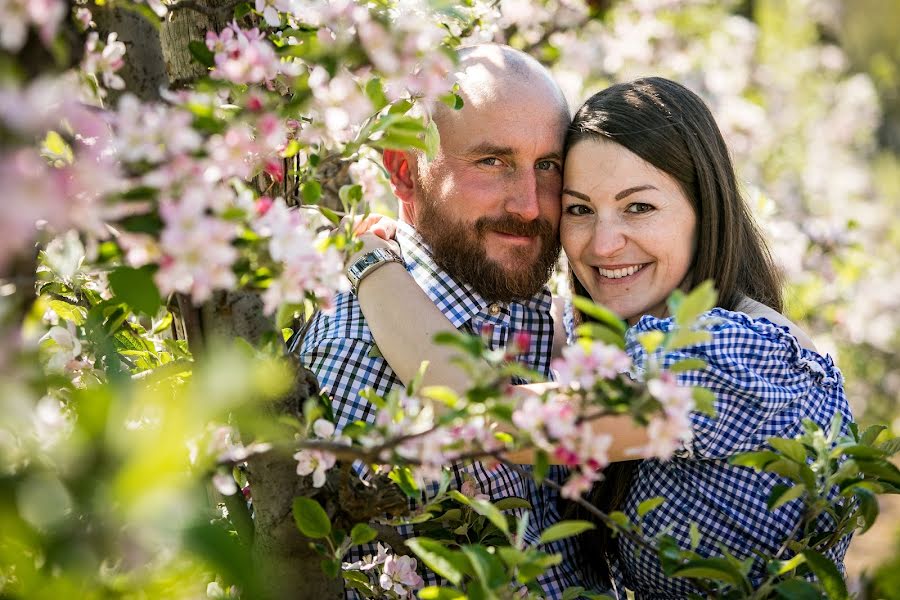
(374,231)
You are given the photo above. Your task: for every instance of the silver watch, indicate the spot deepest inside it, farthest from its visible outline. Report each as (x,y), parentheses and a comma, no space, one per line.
(367,263)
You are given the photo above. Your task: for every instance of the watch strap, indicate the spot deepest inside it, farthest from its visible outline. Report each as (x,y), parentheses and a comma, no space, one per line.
(369,262)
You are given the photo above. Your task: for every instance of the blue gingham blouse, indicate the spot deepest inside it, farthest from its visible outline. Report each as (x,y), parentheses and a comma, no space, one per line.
(765,384)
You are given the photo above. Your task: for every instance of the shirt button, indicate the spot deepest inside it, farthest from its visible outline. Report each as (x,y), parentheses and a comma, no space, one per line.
(494,309)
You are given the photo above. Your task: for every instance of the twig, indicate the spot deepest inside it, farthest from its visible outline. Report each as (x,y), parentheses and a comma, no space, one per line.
(204,10)
(240,518)
(639,540)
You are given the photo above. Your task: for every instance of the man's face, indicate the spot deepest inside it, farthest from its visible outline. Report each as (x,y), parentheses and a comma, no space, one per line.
(489,203)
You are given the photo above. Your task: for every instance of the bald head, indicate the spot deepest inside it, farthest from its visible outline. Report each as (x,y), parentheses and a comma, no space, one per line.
(493,73)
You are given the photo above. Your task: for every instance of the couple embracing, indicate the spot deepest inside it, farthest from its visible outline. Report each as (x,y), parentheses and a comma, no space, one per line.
(645,202)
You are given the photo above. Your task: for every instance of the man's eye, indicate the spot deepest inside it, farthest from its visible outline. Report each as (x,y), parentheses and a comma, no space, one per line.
(578,210)
(639,207)
(547,165)
(491,161)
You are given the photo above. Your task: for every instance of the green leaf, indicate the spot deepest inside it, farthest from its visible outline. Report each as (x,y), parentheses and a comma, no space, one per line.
(512,503)
(755,460)
(572,593)
(867,507)
(350,195)
(871,434)
(695,535)
(858,451)
(879,468)
(242,10)
(358,581)
(717,569)
(687,364)
(400,107)
(330,214)
(135,287)
(890,447)
(620,519)
(483,508)
(651,340)
(402,476)
(704,401)
(449,564)
(331,567)
(434,592)
(441,393)
(782,494)
(788,565)
(77,315)
(701,299)
(789,448)
(311,518)
(202,54)
(600,333)
(602,314)
(649,504)
(488,567)
(375,92)
(362,534)
(311,191)
(828,574)
(541,466)
(685,338)
(797,589)
(432,140)
(564,529)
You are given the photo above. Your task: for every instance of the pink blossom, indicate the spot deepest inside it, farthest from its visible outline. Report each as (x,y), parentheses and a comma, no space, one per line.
(368,561)
(85,18)
(17,15)
(315,462)
(103,60)
(399,575)
(152,132)
(576,485)
(585,362)
(323,428)
(197,248)
(245,56)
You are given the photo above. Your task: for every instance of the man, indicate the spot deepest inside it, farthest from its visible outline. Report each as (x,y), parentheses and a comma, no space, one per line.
(478,233)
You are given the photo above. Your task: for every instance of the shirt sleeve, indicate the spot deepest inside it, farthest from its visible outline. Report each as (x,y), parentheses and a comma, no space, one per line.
(765,384)
(345,367)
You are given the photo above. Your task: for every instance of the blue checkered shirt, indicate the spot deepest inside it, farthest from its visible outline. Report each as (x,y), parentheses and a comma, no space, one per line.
(765,384)
(339,347)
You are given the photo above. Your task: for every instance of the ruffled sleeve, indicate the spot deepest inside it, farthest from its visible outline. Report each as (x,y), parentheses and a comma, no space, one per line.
(764,382)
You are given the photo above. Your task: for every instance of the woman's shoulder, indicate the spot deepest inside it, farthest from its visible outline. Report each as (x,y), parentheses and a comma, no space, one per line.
(758,310)
(763,342)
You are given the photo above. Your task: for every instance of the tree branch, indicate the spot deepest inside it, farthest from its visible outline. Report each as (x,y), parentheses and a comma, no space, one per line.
(202,9)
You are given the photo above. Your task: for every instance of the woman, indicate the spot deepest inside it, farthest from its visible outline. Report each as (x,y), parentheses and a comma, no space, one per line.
(650,204)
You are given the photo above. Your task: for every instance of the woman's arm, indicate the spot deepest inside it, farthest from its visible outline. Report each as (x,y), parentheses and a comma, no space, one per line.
(404,321)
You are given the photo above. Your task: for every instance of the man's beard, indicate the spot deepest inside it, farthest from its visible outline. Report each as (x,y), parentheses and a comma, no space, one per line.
(459,249)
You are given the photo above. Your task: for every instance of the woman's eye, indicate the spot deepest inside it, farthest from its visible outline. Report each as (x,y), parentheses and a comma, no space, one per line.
(639,207)
(578,210)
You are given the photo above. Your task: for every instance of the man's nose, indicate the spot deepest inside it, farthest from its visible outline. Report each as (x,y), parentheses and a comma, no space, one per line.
(523,198)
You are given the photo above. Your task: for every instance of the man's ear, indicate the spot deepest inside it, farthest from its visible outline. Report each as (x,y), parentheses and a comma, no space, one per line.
(398,166)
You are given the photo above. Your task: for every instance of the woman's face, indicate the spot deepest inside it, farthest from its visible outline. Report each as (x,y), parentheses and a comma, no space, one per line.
(627,228)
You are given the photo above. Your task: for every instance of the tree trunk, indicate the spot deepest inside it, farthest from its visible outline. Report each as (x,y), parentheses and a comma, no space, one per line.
(286,564)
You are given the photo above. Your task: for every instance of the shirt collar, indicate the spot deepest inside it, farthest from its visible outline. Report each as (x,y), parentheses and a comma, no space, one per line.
(457,300)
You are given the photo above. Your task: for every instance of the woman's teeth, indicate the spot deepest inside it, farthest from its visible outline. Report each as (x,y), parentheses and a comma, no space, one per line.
(619,273)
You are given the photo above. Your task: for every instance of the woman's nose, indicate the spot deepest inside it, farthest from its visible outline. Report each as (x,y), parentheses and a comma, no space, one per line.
(608,238)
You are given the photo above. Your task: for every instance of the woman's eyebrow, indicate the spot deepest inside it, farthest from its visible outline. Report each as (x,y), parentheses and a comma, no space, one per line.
(578,195)
(633,190)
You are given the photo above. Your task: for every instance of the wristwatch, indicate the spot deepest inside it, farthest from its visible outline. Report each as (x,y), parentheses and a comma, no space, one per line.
(367,263)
